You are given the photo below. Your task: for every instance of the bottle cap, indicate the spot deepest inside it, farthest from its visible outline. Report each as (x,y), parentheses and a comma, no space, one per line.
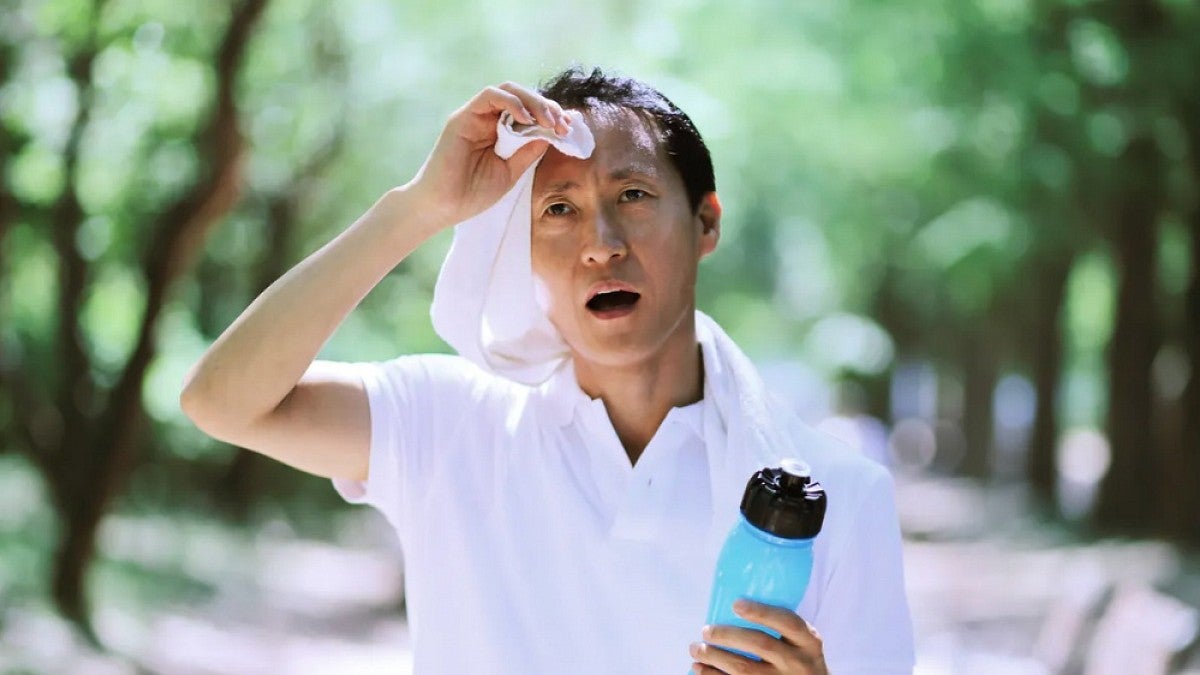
(785,501)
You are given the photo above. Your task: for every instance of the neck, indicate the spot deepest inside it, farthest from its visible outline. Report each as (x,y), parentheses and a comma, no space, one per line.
(639,395)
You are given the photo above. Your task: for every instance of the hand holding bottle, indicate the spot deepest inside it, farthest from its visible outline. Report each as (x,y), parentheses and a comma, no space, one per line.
(797,650)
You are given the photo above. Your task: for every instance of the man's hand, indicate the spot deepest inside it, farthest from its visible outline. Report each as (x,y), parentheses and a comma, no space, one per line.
(463,175)
(797,651)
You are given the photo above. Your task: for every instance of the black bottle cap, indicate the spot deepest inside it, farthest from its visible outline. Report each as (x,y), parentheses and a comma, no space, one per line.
(785,501)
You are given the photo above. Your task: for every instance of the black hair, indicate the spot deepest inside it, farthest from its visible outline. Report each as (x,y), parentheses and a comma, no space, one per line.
(577,89)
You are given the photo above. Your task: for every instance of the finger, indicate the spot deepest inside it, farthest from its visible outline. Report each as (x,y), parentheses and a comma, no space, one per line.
(764,646)
(711,655)
(701,669)
(564,120)
(528,153)
(549,113)
(494,99)
(787,623)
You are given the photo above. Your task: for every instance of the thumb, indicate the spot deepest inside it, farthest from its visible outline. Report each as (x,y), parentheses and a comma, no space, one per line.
(527,155)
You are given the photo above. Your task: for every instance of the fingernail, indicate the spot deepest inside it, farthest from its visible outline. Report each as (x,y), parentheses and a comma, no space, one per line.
(740,605)
(706,632)
(527,117)
(694,649)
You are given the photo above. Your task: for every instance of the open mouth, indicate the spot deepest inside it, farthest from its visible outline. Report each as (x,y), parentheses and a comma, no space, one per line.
(612,303)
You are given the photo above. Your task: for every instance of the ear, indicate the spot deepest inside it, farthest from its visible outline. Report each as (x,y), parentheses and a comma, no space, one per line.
(709,216)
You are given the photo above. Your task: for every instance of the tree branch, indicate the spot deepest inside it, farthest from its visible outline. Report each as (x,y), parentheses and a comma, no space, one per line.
(30,408)
(76,390)
(8,204)
(179,234)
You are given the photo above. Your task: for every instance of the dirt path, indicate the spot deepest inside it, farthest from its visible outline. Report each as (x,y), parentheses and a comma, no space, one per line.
(991,592)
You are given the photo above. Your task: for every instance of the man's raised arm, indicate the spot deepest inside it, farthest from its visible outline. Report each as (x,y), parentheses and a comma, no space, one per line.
(258,385)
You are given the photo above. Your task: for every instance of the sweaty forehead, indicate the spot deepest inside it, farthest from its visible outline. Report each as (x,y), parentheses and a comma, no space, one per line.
(624,141)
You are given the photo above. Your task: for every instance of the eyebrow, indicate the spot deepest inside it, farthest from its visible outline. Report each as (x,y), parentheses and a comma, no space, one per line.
(561,186)
(619,174)
(634,170)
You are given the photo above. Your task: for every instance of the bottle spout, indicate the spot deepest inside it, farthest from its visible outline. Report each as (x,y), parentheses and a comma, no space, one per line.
(796,474)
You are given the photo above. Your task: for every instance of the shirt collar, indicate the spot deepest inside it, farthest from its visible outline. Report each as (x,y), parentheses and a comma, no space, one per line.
(561,394)
(563,398)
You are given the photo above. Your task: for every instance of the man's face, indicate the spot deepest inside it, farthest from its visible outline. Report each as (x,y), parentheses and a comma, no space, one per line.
(615,243)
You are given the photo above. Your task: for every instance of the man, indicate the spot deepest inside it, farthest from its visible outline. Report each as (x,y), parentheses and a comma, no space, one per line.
(565,526)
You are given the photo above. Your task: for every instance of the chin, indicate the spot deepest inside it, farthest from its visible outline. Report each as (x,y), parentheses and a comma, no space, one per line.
(615,349)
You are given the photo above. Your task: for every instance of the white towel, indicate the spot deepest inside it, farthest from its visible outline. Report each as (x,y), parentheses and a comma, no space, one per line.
(485,307)
(484,303)
(751,429)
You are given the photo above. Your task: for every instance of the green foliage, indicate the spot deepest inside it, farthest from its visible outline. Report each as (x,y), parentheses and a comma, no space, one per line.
(31,294)
(27,529)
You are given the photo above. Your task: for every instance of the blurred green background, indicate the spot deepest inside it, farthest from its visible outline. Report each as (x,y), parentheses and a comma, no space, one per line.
(962,234)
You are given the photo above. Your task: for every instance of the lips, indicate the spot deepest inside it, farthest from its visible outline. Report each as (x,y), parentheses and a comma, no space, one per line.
(610,299)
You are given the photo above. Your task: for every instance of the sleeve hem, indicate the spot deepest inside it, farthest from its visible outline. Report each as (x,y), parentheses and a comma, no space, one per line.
(356,491)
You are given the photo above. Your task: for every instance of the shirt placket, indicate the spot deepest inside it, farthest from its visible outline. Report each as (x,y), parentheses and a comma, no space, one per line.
(639,516)
(609,465)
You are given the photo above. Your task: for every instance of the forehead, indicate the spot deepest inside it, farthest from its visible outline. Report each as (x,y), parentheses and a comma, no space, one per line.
(624,141)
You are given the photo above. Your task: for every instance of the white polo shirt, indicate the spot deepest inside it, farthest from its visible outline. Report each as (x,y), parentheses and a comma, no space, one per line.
(532,546)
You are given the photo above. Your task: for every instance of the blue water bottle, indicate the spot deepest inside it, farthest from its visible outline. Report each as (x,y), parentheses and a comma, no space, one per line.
(768,555)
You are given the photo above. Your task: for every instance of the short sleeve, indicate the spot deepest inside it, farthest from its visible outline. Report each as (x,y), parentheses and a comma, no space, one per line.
(413,400)
(864,618)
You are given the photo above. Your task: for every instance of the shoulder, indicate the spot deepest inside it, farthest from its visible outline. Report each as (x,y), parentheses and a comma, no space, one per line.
(440,383)
(835,455)
(444,371)
(847,474)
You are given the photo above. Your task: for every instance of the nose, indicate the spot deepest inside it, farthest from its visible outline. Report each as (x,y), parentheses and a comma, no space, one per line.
(605,240)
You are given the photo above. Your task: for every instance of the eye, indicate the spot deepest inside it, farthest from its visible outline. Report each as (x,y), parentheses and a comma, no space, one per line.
(558,209)
(633,195)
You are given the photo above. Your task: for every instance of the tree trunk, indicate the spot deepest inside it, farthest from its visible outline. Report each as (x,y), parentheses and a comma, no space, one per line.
(888,308)
(80,518)
(1187,526)
(92,464)
(1047,355)
(1187,498)
(980,374)
(1128,499)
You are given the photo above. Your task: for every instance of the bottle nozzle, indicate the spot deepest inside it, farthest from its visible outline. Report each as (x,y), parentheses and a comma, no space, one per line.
(796,474)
